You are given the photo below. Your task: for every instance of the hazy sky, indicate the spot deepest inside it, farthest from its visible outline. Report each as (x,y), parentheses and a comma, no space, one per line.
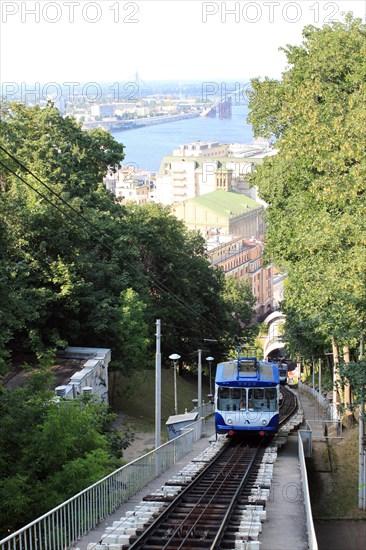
(83,41)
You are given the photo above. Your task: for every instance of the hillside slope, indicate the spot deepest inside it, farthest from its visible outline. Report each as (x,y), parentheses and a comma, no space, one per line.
(134,402)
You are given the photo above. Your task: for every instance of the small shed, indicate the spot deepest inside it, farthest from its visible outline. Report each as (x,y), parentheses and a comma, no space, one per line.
(175,423)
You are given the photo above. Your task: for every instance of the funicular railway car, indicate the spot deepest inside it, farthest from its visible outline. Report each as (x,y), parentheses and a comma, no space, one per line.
(282,371)
(247,393)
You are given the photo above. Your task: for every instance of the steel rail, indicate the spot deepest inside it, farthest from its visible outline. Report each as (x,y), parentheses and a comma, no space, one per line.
(182,520)
(289,405)
(234,501)
(228,473)
(136,544)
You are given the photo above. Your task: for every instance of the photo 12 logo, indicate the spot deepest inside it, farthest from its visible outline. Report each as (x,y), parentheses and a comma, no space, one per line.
(70,92)
(268,12)
(290,492)
(219,92)
(70,12)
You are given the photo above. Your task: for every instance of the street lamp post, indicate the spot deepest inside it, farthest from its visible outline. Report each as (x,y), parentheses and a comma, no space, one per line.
(199,380)
(175,357)
(209,359)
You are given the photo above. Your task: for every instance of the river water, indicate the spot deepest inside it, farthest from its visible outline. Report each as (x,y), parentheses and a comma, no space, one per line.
(146,146)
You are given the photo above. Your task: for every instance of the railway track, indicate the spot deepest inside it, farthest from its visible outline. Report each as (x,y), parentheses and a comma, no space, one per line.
(200,515)
(288,406)
(220,506)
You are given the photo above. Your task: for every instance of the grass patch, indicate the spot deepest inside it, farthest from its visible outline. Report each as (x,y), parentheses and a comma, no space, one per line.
(134,396)
(343,500)
(334,478)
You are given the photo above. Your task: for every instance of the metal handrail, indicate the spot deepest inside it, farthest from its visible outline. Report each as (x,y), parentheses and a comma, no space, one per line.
(62,526)
(313,543)
(66,523)
(329,408)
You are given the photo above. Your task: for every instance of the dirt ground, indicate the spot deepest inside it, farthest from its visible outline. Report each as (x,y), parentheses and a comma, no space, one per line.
(340,534)
(144,441)
(142,444)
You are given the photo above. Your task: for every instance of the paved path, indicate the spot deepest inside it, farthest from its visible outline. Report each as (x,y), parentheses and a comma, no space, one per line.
(285,528)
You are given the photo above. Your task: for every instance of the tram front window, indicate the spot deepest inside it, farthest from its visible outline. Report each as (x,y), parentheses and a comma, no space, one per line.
(235,395)
(224,399)
(231,399)
(262,399)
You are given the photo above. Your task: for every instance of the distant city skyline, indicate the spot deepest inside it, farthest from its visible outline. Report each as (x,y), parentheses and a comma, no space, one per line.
(84,41)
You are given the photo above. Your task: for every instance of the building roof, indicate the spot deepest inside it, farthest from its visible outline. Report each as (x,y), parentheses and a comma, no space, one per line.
(178,418)
(225,203)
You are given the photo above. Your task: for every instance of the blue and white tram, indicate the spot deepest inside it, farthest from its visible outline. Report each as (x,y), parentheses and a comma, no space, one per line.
(247,395)
(282,371)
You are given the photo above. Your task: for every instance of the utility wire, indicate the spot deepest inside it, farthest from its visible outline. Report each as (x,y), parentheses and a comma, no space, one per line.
(79,214)
(159,285)
(44,197)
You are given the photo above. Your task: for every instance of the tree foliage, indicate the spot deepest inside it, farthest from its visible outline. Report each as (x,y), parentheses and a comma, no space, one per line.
(240,300)
(184,291)
(49,451)
(315,185)
(49,258)
(132,330)
(354,373)
(70,252)
(77,268)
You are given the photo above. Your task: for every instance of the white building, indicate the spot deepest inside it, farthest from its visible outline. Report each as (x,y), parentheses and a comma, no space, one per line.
(201,149)
(110,110)
(201,167)
(103,111)
(92,378)
(129,184)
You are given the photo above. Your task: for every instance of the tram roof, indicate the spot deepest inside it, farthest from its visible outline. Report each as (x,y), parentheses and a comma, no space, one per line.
(248,372)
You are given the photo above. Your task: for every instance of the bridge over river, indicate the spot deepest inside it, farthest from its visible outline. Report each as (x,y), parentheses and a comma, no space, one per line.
(130,124)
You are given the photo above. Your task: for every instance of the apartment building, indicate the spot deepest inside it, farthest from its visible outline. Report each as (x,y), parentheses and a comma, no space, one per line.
(202,149)
(129,184)
(243,258)
(202,167)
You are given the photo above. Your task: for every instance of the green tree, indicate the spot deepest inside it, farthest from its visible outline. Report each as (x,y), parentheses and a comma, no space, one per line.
(132,330)
(68,259)
(132,333)
(239,301)
(73,161)
(315,185)
(56,262)
(183,290)
(49,451)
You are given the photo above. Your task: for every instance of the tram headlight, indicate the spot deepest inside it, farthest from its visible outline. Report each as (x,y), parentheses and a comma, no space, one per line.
(264,422)
(229,421)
